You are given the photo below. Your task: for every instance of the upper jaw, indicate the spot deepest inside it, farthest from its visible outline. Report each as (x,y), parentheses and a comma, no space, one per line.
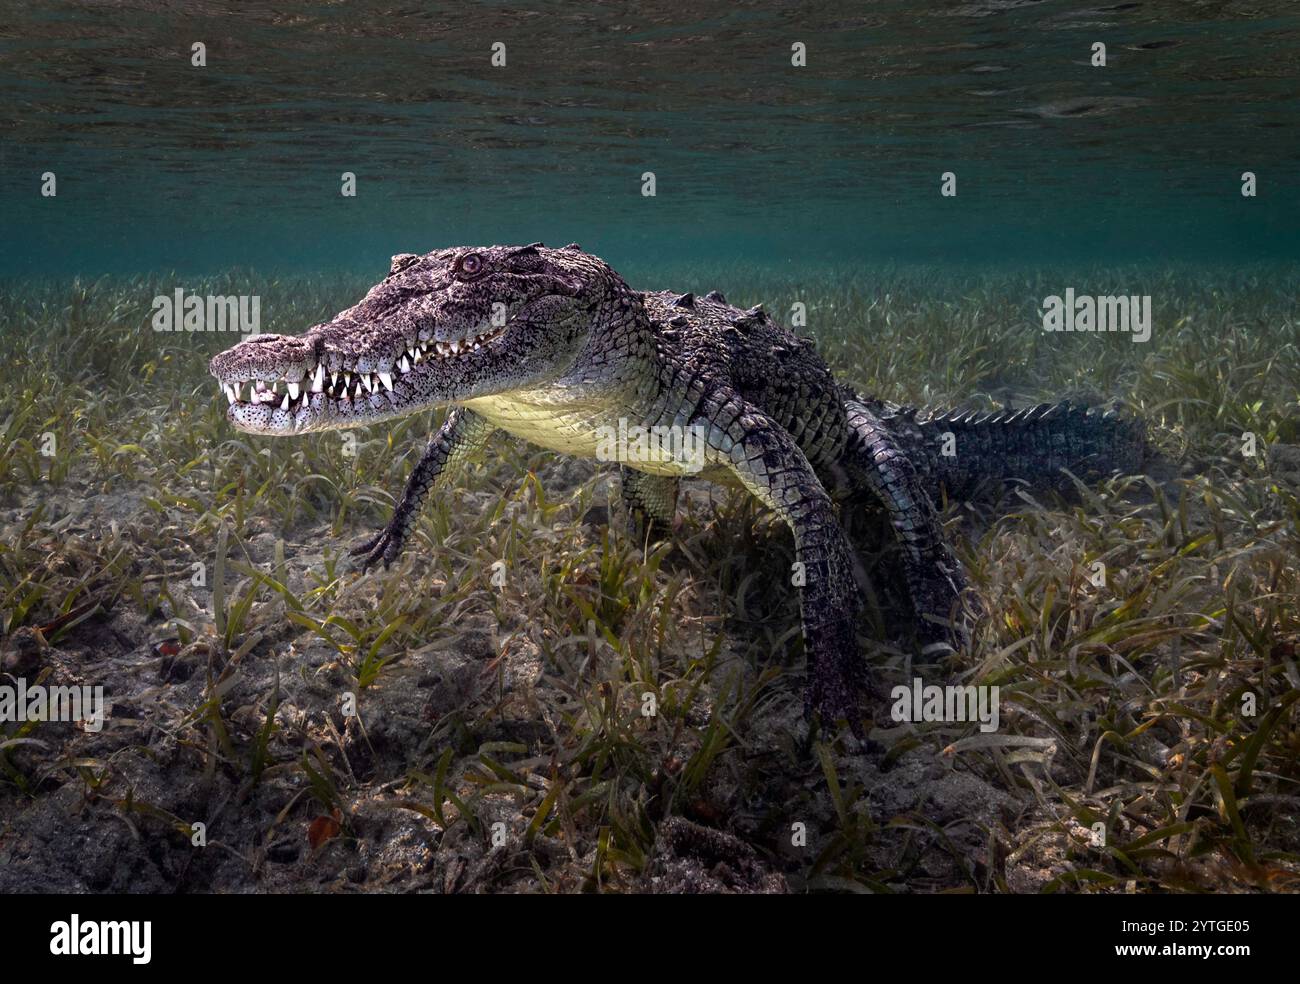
(305,383)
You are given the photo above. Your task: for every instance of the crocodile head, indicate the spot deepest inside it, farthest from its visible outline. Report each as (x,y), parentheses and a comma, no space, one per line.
(447,326)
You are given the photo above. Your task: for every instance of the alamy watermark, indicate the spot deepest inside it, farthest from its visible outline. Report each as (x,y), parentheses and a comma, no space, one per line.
(20,703)
(179,311)
(102,938)
(1108,312)
(920,702)
(634,444)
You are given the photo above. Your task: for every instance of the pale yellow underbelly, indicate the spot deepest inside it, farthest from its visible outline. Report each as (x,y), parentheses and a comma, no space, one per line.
(581,430)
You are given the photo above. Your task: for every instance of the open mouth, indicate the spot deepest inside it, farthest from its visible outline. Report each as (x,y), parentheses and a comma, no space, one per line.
(344,387)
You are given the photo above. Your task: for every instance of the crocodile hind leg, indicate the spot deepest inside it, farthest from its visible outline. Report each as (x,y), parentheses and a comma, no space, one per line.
(934,578)
(651,501)
(768,462)
(462,433)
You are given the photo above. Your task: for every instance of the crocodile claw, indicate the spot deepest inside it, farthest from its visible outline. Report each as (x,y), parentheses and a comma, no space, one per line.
(381,548)
(938,600)
(837,683)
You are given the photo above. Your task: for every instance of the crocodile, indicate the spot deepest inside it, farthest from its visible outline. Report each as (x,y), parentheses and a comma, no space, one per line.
(553,346)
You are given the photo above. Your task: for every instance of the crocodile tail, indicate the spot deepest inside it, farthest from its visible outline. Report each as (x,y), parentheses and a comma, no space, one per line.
(963,451)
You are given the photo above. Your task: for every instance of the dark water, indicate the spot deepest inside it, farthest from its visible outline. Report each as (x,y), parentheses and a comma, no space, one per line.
(160,164)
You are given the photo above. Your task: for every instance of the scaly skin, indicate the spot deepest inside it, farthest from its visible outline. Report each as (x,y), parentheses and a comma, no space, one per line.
(551,345)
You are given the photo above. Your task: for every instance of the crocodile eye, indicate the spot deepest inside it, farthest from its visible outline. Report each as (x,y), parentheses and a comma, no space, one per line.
(470,265)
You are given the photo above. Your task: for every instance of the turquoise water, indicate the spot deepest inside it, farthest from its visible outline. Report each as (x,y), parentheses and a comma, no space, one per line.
(163,165)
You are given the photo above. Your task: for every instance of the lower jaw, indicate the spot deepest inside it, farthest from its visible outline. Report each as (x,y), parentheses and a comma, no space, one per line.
(319,414)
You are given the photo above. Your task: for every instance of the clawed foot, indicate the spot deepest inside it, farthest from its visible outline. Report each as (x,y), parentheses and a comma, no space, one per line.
(941,636)
(837,677)
(943,626)
(383,547)
(834,696)
(841,693)
(645,529)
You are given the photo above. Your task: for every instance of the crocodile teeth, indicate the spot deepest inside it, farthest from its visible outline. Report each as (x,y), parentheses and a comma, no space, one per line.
(343,384)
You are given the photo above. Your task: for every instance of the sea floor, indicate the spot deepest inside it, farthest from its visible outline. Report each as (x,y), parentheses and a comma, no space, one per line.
(472,719)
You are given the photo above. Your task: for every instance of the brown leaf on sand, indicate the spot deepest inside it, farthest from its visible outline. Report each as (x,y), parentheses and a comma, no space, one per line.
(322,829)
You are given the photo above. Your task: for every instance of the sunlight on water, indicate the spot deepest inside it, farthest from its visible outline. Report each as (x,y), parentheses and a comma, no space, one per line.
(164,164)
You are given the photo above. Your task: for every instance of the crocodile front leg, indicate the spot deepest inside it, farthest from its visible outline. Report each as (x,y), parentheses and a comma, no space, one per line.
(768,462)
(651,500)
(462,433)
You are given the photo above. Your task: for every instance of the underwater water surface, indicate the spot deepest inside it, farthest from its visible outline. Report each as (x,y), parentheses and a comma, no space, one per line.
(164,165)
